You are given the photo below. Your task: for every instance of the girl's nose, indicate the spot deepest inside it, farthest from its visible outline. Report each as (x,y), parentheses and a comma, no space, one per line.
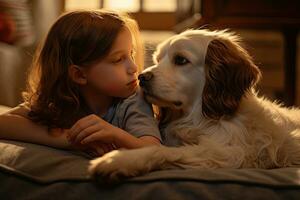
(132,68)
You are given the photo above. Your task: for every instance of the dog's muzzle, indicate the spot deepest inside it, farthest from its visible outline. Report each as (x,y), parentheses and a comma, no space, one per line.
(145,83)
(144,79)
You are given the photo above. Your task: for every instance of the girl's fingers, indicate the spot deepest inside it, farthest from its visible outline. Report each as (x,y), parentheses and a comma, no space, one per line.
(110,147)
(86,132)
(82,124)
(113,146)
(105,148)
(93,138)
(102,147)
(100,152)
(99,148)
(95,152)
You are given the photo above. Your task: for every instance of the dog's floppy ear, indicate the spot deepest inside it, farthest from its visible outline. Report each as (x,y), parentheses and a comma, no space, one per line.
(230,73)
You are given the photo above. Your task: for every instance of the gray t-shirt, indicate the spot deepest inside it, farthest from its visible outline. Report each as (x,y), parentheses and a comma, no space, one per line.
(134,115)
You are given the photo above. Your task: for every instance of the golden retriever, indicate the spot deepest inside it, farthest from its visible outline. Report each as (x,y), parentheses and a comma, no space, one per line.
(203,81)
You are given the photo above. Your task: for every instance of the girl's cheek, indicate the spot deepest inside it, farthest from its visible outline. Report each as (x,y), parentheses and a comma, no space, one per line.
(113,88)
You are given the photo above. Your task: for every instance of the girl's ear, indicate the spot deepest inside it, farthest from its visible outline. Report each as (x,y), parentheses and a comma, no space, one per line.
(77,75)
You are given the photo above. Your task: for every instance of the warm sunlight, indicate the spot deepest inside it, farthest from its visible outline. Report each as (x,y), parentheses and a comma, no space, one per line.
(124,5)
(160,6)
(79,4)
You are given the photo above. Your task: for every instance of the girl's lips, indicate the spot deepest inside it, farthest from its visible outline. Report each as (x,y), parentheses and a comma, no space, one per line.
(134,82)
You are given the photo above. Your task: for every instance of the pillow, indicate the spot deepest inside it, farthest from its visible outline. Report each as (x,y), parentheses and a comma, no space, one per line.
(44,164)
(16,24)
(41,163)
(30,171)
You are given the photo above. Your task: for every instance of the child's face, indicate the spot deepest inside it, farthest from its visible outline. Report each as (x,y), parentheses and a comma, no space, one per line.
(116,74)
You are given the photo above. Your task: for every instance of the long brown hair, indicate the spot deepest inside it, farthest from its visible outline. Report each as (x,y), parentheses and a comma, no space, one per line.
(76,38)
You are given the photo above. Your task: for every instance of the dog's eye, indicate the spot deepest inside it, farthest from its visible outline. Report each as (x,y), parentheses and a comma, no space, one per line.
(180,60)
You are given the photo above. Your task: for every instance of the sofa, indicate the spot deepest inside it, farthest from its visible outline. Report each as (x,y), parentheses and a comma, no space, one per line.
(23,24)
(32,171)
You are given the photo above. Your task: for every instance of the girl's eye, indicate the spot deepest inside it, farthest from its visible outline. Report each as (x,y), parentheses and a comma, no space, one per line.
(118,60)
(180,60)
(124,57)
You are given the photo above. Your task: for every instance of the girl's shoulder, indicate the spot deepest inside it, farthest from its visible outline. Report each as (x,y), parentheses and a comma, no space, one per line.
(136,101)
(136,116)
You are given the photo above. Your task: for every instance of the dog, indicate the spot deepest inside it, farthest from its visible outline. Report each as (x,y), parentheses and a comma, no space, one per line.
(211,115)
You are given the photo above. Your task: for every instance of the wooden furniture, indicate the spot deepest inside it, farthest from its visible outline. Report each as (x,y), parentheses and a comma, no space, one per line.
(260,14)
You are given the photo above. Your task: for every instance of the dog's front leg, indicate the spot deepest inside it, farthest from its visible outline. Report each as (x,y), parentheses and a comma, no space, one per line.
(128,163)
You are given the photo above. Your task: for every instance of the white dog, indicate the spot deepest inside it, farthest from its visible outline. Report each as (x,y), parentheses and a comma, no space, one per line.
(204,84)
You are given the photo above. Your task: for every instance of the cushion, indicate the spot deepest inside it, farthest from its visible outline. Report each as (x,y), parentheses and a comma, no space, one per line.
(46,164)
(42,163)
(41,172)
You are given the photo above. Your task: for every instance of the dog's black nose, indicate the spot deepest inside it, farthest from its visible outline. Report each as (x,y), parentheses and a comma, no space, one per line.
(144,78)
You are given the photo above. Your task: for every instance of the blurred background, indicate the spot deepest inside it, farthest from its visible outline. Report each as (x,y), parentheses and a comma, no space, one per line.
(269,29)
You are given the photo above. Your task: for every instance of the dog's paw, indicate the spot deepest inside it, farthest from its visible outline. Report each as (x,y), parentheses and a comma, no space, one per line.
(116,165)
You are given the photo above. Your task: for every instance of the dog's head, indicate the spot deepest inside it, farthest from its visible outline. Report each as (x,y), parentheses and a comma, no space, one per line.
(200,67)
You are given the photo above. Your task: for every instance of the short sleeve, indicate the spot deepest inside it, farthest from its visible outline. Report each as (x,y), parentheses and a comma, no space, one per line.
(138,118)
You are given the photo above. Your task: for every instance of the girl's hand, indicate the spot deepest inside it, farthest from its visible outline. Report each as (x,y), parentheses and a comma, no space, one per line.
(91,129)
(94,149)
(97,149)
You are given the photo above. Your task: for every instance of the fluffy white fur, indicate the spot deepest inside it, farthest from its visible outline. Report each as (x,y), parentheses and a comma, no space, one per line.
(256,133)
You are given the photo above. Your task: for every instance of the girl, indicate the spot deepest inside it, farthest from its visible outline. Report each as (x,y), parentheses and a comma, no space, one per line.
(82,89)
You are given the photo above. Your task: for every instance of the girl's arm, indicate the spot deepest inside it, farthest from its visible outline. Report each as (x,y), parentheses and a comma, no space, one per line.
(15,126)
(92,128)
(119,137)
(126,140)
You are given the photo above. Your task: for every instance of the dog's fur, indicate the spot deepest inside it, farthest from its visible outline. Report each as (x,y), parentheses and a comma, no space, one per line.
(204,83)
